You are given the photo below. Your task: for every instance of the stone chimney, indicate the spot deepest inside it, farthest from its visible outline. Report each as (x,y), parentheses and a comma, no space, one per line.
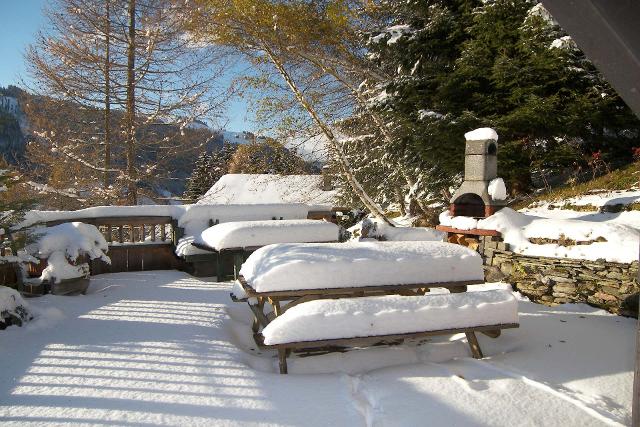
(480,168)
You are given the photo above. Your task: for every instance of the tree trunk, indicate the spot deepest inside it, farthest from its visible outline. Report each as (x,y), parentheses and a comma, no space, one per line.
(132,195)
(107,96)
(341,157)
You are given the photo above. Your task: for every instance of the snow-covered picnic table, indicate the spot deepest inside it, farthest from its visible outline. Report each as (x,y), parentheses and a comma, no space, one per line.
(285,275)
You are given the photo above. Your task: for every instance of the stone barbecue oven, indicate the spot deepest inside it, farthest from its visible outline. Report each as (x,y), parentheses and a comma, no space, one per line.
(480,168)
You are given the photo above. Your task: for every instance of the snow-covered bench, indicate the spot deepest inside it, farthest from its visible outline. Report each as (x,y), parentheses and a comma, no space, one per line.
(365,321)
(239,239)
(285,275)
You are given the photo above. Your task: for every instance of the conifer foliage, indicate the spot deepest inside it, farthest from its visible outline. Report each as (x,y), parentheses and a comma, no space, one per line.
(207,170)
(457,65)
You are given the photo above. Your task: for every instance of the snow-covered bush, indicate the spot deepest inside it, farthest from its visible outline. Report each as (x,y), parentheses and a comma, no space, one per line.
(13,309)
(371,228)
(63,244)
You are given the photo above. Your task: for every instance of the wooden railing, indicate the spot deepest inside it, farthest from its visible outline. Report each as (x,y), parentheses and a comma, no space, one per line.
(131,229)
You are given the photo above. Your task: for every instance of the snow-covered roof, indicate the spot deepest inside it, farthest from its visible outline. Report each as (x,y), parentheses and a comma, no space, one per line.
(257,188)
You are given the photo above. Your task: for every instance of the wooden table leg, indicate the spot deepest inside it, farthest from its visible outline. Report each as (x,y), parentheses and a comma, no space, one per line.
(282,360)
(474,345)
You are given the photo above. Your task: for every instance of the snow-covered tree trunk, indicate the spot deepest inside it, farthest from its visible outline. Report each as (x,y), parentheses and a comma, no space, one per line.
(131,105)
(341,158)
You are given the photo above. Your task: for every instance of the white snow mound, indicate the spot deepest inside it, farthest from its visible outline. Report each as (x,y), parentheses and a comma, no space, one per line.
(244,234)
(459,222)
(394,314)
(294,266)
(12,304)
(66,242)
(621,243)
(497,189)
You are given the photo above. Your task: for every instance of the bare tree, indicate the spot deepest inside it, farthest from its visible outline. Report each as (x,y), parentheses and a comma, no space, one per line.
(133,61)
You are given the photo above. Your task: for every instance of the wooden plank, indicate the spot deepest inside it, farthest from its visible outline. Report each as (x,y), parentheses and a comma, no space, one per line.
(120,234)
(163,232)
(153,233)
(258,313)
(354,290)
(109,236)
(474,231)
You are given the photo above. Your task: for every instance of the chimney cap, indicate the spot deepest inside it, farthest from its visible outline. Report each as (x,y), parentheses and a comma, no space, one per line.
(481,134)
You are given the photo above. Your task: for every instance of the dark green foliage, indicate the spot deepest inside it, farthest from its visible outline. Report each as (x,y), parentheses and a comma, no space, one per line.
(208,169)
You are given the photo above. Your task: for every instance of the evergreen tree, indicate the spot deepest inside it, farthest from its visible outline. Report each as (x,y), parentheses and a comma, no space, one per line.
(219,162)
(209,168)
(457,65)
(200,181)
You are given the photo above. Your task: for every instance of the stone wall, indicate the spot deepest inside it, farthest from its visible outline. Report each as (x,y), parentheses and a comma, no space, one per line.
(608,285)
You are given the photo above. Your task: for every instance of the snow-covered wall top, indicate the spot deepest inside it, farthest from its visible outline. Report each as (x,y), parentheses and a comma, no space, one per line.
(256,188)
(36,216)
(188,216)
(612,242)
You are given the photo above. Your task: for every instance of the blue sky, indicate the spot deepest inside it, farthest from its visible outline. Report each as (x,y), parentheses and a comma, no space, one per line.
(20,21)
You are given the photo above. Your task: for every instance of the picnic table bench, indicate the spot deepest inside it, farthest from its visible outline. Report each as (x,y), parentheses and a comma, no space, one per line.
(281,301)
(330,323)
(287,275)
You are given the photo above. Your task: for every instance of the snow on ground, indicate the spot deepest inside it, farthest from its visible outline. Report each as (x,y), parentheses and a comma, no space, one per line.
(165,348)
(610,198)
(604,198)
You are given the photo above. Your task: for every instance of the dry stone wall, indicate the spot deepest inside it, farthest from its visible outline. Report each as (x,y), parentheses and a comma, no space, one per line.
(608,285)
